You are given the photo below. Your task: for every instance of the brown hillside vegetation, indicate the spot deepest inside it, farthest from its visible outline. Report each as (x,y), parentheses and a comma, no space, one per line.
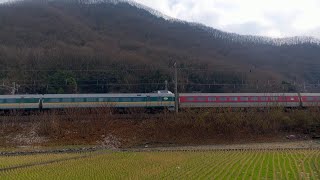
(190,127)
(70,46)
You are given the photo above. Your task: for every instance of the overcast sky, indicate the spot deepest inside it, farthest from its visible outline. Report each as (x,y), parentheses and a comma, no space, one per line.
(273,18)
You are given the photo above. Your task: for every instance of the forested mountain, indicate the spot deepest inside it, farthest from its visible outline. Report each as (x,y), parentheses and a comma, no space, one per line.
(62,46)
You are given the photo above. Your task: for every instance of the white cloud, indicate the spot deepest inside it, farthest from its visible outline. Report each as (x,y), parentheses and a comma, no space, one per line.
(275,18)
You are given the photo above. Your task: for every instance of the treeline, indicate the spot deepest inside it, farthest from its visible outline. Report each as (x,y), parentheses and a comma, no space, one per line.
(98,47)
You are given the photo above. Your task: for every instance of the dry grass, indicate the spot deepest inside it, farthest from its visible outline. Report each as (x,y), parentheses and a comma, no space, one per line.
(93,126)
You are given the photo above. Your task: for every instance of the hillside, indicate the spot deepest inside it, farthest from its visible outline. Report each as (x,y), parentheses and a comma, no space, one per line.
(103,46)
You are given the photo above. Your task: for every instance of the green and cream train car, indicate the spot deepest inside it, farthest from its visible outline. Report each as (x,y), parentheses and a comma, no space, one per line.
(152,100)
(16,102)
(61,101)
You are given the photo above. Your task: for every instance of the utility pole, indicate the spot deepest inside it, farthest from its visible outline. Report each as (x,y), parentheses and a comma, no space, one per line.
(166,85)
(13,88)
(176,88)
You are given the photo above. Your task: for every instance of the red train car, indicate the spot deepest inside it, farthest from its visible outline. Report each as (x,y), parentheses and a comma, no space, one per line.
(310,99)
(239,100)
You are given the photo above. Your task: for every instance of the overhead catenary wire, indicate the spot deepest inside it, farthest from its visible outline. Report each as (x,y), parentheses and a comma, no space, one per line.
(183,81)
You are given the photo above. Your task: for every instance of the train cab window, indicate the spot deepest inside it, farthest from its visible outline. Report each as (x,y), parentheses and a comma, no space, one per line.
(212,99)
(190,99)
(222,98)
(244,98)
(79,100)
(233,98)
(201,99)
(253,98)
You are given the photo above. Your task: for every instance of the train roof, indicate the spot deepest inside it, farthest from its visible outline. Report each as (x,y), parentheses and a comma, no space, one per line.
(106,95)
(310,94)
(239,94)
(21,96)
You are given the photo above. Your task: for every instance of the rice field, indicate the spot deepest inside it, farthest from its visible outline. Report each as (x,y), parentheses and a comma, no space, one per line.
(246,164)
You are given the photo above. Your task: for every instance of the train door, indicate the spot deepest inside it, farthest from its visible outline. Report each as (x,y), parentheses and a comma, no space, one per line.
(40,103)
(21,102)
(159,101)
(148,101)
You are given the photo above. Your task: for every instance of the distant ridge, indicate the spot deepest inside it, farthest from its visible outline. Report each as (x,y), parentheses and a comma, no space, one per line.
(121,46)
(234,37)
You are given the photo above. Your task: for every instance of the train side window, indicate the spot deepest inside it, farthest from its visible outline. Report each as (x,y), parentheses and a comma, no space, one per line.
(66,100)
(1,100)
(125,99)
(101,99)
(91,99)
(139,99)
(11,100)
(263,98)
(274,98)
(234,98)
(79,100)
(28,100)
(309,98)
(190,98)
(244,98)
(254,99)
(212,99)
(222,98)
(201,99)
(54,100)
(113,99)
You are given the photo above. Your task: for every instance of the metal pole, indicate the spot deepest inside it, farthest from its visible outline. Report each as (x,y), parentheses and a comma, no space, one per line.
(176,88)
(166,85)
(13,88)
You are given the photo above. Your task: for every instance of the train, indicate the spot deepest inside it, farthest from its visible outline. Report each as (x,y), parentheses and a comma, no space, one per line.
(159,99)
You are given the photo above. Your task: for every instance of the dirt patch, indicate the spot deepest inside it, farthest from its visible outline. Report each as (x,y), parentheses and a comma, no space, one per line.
(29,137)
(110,142)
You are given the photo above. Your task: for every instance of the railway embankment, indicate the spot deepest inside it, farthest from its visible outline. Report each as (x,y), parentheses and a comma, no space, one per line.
(190,127)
